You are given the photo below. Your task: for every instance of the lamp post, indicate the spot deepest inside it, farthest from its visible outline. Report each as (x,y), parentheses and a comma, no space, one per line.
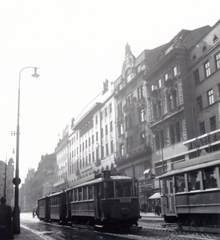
(17,180)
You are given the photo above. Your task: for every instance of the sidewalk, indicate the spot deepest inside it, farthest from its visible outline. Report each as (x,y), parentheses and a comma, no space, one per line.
(26,234)
(150,215)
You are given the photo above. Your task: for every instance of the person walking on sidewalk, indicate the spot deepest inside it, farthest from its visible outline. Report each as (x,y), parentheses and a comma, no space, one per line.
(5,220)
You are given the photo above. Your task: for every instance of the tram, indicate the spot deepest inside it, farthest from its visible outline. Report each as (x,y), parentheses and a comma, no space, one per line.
(104,202)
(190,194)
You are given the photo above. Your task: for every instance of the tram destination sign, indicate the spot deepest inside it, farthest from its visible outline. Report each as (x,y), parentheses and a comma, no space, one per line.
(207,139)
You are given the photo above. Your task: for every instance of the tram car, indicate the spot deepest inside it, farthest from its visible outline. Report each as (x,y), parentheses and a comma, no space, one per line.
(53,207)
(104,202)
(190,194)
(43,209)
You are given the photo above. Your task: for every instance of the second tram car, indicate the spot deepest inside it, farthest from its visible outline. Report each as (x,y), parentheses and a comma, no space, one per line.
(106,201)
(190,194)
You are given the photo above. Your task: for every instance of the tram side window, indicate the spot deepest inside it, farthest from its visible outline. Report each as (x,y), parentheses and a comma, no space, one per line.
(193,180)
(75,195)
(109,189)
(85,193)
(80,194)
(209,177)
(180,183)
(90,192)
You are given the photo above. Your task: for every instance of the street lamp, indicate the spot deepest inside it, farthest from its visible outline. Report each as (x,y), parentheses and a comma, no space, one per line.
(17,180)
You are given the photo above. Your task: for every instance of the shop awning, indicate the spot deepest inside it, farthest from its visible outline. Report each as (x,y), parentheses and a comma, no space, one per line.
(146,171)
(155,196)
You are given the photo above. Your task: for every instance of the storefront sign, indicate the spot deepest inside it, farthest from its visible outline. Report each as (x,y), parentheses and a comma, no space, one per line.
(208,139)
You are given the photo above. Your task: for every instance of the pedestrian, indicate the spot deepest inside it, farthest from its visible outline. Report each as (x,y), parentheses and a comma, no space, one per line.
(5,220)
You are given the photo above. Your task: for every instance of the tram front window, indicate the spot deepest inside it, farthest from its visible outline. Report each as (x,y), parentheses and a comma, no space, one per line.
(123,189)
(180,183)
(109,189)
(209,177)
(193,180)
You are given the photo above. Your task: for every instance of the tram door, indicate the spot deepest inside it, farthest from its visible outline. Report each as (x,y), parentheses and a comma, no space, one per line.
(168,201)
(97,199)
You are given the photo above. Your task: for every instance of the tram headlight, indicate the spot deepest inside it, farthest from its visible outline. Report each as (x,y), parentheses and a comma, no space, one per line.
(124,211)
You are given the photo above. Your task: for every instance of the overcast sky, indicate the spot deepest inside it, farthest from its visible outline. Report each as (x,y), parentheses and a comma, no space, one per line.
(76,45)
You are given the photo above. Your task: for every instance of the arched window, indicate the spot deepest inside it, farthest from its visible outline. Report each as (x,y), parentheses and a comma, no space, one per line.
(204,49)
(194,57)
(215,38)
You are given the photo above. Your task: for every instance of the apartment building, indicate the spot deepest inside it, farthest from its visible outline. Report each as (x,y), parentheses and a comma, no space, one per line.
(133,151)
(62,153)
(170,105)
(92,140)
(205,86)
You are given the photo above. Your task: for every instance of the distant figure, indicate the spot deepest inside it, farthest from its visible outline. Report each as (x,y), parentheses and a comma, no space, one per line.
(5,220)
(34,212)
(143,207)
(157,209)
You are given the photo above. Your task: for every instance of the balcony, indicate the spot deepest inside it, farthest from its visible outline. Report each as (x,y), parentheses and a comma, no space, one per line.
(133,155)
(129,108)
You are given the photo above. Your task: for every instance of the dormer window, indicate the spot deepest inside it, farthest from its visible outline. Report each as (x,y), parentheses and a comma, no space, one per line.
(215,38)
(204,49)
(194,57)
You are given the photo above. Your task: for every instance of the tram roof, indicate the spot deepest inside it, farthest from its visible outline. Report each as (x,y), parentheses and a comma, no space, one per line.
(190,168)
(97,180)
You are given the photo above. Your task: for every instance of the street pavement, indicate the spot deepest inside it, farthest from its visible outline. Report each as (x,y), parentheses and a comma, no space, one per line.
(29,234)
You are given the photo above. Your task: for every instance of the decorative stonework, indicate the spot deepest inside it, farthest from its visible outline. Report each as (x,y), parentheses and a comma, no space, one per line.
(128,68)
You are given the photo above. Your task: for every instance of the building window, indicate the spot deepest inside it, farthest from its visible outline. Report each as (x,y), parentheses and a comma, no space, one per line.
(92,139)
(101,116)
(175,71)
(112,147)
(106,129)
(202,128)
(128,121)
(159,83)
(97,136)
(129,144)
(96,119)
(170,102)
(121,129)
(111,126)
(120,108)
(172,134)
(142,115)
(217,60)
(119,86)
(207,69)
(204,49)
(213,126)
(166,76)
(102,132)
(178,132)
(143,138)
(106,112)
(97,153)
(194,57)
(215,38)
(106,149)
(140,92)
(219,91)
(110,107)
(122,149)
(210,97)
(129,100)
(196,77)
(102,152)
(199,104)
